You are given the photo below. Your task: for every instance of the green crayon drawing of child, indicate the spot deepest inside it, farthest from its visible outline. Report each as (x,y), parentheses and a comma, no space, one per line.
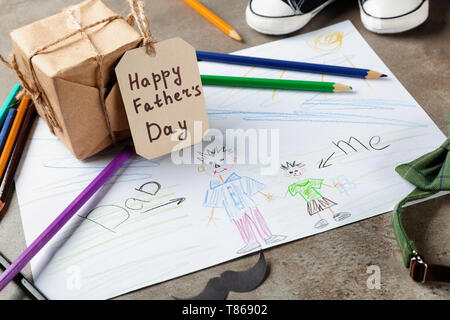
(308,189)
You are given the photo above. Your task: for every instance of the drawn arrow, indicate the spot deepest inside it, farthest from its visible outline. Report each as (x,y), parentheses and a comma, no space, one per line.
(323,164)
(177,201)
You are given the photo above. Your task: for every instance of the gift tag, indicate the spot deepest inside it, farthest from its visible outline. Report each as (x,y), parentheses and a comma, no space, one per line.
(163,97)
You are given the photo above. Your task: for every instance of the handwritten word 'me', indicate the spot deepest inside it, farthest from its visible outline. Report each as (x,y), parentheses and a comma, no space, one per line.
(352,144)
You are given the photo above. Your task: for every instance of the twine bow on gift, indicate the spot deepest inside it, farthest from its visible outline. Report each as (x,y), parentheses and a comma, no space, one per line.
(33,87)
(138,16)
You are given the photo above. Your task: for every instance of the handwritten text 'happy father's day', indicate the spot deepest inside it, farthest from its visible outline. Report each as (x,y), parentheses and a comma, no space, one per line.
(161,81)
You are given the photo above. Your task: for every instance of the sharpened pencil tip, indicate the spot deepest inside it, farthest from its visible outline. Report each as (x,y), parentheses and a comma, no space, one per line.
(383,75)
(338,87)
(235,35)
(374,75)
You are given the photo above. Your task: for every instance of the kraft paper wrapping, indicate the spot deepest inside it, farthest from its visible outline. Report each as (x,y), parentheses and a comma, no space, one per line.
(67,73)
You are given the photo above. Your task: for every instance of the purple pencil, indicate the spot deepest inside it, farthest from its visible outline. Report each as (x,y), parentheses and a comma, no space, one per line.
(65,216)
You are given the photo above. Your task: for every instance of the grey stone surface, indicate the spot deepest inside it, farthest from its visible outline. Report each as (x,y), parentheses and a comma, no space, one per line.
(330,265)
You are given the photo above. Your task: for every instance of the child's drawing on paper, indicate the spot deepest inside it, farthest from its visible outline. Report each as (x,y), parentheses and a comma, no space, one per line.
(235,194)
(111,216)
(343,184)
(308,189)
(327,42)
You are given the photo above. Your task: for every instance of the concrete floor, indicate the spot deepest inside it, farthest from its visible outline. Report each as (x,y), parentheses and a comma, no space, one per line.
(330,265)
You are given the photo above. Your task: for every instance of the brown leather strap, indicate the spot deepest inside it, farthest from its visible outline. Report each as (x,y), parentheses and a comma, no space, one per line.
(420,271)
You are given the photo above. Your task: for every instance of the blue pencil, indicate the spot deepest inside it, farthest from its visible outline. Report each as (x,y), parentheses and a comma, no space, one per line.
(6,126)
(288,65)
(8,103)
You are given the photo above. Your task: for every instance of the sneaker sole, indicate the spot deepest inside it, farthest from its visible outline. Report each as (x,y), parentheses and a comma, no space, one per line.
(396,24)
(255,21)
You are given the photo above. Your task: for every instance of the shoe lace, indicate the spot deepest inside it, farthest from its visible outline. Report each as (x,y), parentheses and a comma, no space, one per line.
(295,5)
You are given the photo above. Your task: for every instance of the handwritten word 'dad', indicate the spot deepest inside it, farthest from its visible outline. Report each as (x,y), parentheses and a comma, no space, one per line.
(163,97)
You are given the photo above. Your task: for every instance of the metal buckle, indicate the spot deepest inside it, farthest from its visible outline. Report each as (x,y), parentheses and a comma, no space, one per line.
(418,268)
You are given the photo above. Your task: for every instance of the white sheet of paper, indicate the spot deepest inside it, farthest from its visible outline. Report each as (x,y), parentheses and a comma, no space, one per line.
(137,233)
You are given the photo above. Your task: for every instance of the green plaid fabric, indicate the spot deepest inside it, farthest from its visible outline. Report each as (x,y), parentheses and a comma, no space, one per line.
(430,174)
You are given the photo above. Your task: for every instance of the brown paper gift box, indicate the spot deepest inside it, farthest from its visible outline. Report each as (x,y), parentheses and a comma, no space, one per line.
(68,73)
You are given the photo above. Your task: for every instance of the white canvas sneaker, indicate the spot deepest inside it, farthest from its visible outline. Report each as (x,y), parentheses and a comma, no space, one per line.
(277,17)
(393,16)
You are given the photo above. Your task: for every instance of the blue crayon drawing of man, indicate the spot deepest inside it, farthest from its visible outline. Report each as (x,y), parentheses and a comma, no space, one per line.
(235,194)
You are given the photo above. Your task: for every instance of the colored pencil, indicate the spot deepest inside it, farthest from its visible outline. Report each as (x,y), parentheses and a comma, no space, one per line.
(288,65)
(214,19)
(6,126)
(65,216)
(22,281)
(12,136)
(10,101)
(7,182)
(274,83)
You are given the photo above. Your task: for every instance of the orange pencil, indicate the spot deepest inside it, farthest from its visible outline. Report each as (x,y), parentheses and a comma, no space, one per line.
(215,20)
(11,140)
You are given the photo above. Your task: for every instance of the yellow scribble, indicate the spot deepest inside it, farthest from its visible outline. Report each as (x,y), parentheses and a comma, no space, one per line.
(327,42)
(348,60)
(275,90)
(331,41)
(251,69)
(348,33)
(351,63)
(244,75)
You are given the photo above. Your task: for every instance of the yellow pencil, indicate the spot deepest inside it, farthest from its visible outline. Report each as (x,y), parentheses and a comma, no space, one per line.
(14,131)
(214,19)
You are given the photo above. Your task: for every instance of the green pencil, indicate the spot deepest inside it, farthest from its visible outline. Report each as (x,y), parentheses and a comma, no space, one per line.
(274,83)
(10,101)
